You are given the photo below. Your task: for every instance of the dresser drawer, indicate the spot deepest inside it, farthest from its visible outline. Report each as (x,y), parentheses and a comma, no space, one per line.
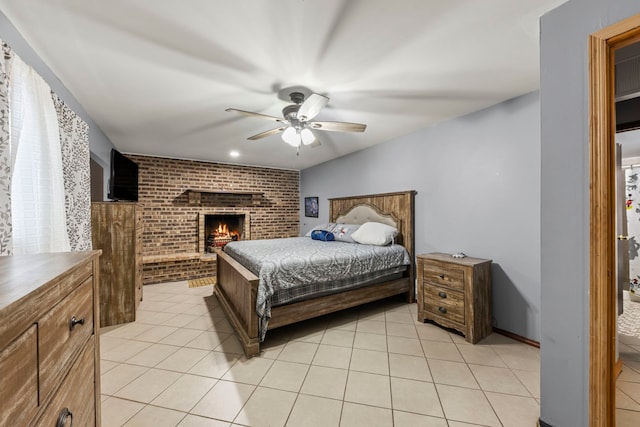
(445,303)
(60,341)
(75,395)
(438,274)
(19,380)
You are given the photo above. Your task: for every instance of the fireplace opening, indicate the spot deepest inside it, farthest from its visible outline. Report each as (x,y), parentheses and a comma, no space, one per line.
(222,229)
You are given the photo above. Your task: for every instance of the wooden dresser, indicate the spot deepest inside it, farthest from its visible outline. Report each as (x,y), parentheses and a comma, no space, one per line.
(456,293)
(49,340)
(116,229)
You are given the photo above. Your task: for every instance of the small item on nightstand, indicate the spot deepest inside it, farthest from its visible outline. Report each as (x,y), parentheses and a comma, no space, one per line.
(458,255)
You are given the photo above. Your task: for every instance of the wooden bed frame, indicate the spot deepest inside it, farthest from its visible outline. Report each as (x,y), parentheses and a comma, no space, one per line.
(237,287)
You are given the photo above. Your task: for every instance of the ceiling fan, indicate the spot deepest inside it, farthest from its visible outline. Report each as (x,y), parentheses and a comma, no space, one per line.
(296,125)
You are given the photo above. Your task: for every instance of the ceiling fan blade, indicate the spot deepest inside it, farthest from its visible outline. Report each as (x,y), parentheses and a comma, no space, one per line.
(262,116)
(267,133)
(311,107)
(337,126)
(315,144)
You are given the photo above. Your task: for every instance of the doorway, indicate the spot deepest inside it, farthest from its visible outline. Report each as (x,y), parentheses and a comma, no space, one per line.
(602,235)
(627,139)
(627,404)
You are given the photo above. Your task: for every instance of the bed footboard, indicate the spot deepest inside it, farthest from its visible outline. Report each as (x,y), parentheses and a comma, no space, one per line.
(237,289)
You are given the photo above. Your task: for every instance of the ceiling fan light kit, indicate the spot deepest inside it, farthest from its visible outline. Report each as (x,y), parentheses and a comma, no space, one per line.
(296,120)
(307,136)
(294,136)
(291,137)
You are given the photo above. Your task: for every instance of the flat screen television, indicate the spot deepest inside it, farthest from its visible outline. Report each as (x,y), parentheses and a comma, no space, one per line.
(123,181)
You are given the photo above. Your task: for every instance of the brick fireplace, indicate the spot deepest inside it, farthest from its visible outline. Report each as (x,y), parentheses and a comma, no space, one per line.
(173,236)
(217,228)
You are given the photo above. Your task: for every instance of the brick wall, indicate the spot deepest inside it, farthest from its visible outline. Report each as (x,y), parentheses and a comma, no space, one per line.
(171,221)
(173,271)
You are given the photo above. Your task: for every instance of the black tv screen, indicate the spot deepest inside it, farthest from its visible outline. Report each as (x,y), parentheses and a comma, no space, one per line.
(123,183)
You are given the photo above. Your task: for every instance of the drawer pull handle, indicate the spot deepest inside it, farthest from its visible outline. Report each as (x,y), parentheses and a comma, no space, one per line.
(441,276)
(73,322)
(442,310)
(62,418)
(442,294)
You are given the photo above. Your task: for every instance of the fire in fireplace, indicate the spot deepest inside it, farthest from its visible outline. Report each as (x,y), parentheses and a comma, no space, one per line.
(221,235)
(222,229)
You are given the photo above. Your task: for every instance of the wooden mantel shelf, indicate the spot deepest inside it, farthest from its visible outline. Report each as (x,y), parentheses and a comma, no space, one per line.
(194,193)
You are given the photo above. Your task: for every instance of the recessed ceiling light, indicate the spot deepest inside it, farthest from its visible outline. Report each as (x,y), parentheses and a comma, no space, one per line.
(234,153)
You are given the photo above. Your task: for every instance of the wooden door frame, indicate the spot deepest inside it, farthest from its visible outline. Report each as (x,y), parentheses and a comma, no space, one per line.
(602,237)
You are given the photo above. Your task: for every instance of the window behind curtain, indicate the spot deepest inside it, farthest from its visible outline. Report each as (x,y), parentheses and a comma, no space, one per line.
(37,187)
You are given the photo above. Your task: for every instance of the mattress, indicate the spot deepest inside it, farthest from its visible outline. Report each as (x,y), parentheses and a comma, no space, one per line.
(298,268)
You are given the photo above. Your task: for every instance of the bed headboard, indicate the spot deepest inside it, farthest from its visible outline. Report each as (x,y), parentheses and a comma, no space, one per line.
(360,214)
(388,208)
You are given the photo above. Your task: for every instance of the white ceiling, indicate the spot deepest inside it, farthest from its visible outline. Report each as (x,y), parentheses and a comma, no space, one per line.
(157,75)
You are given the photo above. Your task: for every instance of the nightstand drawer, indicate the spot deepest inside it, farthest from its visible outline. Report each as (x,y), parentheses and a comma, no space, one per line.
(445,303)
(444,275)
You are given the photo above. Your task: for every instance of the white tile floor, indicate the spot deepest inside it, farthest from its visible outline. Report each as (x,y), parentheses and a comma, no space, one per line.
(179,364)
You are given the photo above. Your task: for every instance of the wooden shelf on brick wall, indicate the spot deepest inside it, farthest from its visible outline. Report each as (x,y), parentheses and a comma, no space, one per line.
(194,193)
(180,256)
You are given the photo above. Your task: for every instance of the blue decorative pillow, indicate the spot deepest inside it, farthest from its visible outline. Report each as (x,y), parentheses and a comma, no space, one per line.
(327,227)
(324,235)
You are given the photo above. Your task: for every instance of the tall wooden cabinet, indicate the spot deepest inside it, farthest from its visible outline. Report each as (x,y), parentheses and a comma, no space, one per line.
(116,229)
(49,340)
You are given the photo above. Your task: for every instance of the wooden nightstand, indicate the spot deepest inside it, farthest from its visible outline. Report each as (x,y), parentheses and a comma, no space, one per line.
(456,293)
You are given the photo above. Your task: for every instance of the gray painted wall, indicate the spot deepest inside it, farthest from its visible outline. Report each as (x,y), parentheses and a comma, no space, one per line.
(99,145)
(478,184)
(565,204)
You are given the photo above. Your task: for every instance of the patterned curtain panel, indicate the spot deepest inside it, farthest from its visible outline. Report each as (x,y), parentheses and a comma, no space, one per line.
(74,139)
(5,159)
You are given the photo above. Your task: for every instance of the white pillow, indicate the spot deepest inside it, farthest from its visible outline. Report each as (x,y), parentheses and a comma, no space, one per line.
(374,233)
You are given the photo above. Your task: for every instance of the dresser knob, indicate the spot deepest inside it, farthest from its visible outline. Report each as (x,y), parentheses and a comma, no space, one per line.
(62,418)
(442,310)
(442,295)
(73,322)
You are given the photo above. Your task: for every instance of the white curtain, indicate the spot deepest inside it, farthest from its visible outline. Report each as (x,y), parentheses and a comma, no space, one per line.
(37,187)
